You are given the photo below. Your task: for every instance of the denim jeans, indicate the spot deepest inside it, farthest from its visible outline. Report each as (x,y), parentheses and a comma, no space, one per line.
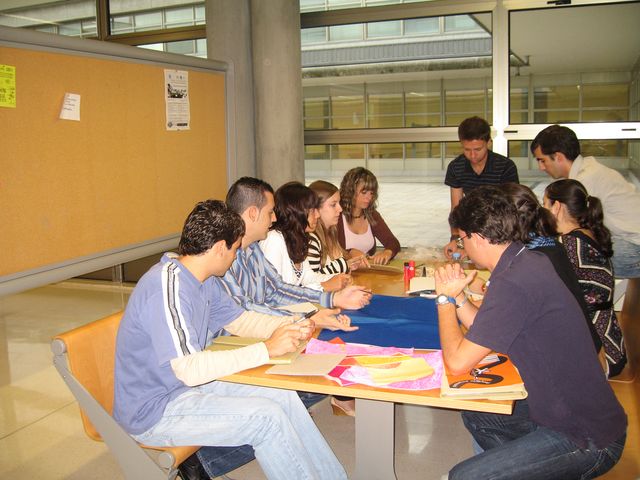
(274,422)
(517,448)
(217,461)
(626,259)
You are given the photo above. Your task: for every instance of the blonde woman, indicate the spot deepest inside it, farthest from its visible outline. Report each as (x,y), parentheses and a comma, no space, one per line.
(326,255)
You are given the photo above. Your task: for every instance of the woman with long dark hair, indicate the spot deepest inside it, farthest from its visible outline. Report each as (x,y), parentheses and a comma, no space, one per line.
(287,244)
(588,245)
(361,224)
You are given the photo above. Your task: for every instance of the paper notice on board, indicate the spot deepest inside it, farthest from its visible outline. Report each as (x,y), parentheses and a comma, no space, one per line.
(177,99)
(7,86)
(70,107)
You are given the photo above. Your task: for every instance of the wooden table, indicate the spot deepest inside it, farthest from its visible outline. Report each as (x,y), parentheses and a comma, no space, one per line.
(375,418)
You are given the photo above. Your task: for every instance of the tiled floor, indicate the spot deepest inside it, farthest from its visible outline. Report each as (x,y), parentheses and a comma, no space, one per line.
(40,430)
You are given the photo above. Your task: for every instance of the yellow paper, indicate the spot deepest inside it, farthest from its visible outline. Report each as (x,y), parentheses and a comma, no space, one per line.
(409,369)
(375,360)
(7,86)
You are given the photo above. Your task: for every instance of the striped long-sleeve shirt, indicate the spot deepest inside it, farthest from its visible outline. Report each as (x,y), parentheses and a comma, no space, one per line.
(256,285)
(314,257)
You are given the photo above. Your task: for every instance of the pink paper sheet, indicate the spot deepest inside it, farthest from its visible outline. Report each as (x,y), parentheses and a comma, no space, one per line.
(320,346)
(348,375)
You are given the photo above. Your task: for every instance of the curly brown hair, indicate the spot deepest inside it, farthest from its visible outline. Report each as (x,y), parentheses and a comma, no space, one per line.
(349,189)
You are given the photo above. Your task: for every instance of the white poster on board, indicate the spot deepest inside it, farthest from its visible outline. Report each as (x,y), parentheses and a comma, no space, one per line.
(177,99)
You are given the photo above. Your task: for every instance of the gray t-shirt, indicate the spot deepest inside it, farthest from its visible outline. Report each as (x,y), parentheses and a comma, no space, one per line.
(168,316)
(529,314)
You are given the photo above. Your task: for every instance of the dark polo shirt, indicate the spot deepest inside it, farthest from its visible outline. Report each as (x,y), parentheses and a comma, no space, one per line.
(497,170)
(530,315)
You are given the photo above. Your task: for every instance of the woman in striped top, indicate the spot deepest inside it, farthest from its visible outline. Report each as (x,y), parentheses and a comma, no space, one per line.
(325,254)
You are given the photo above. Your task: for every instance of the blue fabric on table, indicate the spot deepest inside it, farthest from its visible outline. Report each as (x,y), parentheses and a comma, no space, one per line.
(393,322)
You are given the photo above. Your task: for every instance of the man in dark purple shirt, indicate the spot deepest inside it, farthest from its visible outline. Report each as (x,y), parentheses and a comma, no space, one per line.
(571,425)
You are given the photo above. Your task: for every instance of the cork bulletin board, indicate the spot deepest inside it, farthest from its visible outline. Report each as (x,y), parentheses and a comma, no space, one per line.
(117,177)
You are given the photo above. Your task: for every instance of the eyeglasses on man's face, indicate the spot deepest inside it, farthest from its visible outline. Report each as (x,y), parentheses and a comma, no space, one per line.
(459,241)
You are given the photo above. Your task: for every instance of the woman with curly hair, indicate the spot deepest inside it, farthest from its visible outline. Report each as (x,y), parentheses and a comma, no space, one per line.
(588,244)
(326,255)
(287,244)
(361,224)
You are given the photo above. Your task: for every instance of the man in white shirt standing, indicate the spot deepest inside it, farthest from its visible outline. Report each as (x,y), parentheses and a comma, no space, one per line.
(557,150)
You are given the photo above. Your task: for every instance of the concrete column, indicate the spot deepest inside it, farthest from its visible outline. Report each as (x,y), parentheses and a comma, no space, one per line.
(275,27)
(229,39)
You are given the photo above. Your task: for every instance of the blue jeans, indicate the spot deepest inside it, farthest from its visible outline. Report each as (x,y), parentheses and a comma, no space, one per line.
(217,461)
(517,448)
(274,422)
(626,259)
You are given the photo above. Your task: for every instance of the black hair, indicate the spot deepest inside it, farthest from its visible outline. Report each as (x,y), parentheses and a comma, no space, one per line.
(247,192)
(556,138)
(208,223)
(489,212)
(532,217)
(474,128)
(584,208)
(294,201)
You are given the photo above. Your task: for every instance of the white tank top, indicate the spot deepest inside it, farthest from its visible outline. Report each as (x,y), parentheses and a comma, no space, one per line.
(361,241)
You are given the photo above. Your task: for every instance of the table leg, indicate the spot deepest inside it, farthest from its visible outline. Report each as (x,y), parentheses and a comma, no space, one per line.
(375,440)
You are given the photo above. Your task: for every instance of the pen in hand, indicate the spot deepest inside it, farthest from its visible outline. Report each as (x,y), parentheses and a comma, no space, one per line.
(306,316)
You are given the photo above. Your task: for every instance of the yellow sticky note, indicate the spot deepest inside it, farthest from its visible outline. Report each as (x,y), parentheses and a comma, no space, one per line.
(409,369)
(7,86)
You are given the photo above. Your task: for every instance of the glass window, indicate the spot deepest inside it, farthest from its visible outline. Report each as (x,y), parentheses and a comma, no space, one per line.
(62,18)
(582,72)
(311,5)
(176,13)
(422,26)
(316,113)
(347,111)
(403,81)
(384,29)
(179,17)
(409,160)
(313,35)
(385,110)
(458,23)
(122,24)
(195,48)
(148,21)
(70,29)
(461,104)
(617,154)
(341,33)
(337,4)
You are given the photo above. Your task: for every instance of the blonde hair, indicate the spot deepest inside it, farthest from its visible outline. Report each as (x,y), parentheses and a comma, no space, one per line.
(330,248)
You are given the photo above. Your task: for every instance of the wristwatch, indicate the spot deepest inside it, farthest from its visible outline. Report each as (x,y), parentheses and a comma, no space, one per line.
(443,300)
